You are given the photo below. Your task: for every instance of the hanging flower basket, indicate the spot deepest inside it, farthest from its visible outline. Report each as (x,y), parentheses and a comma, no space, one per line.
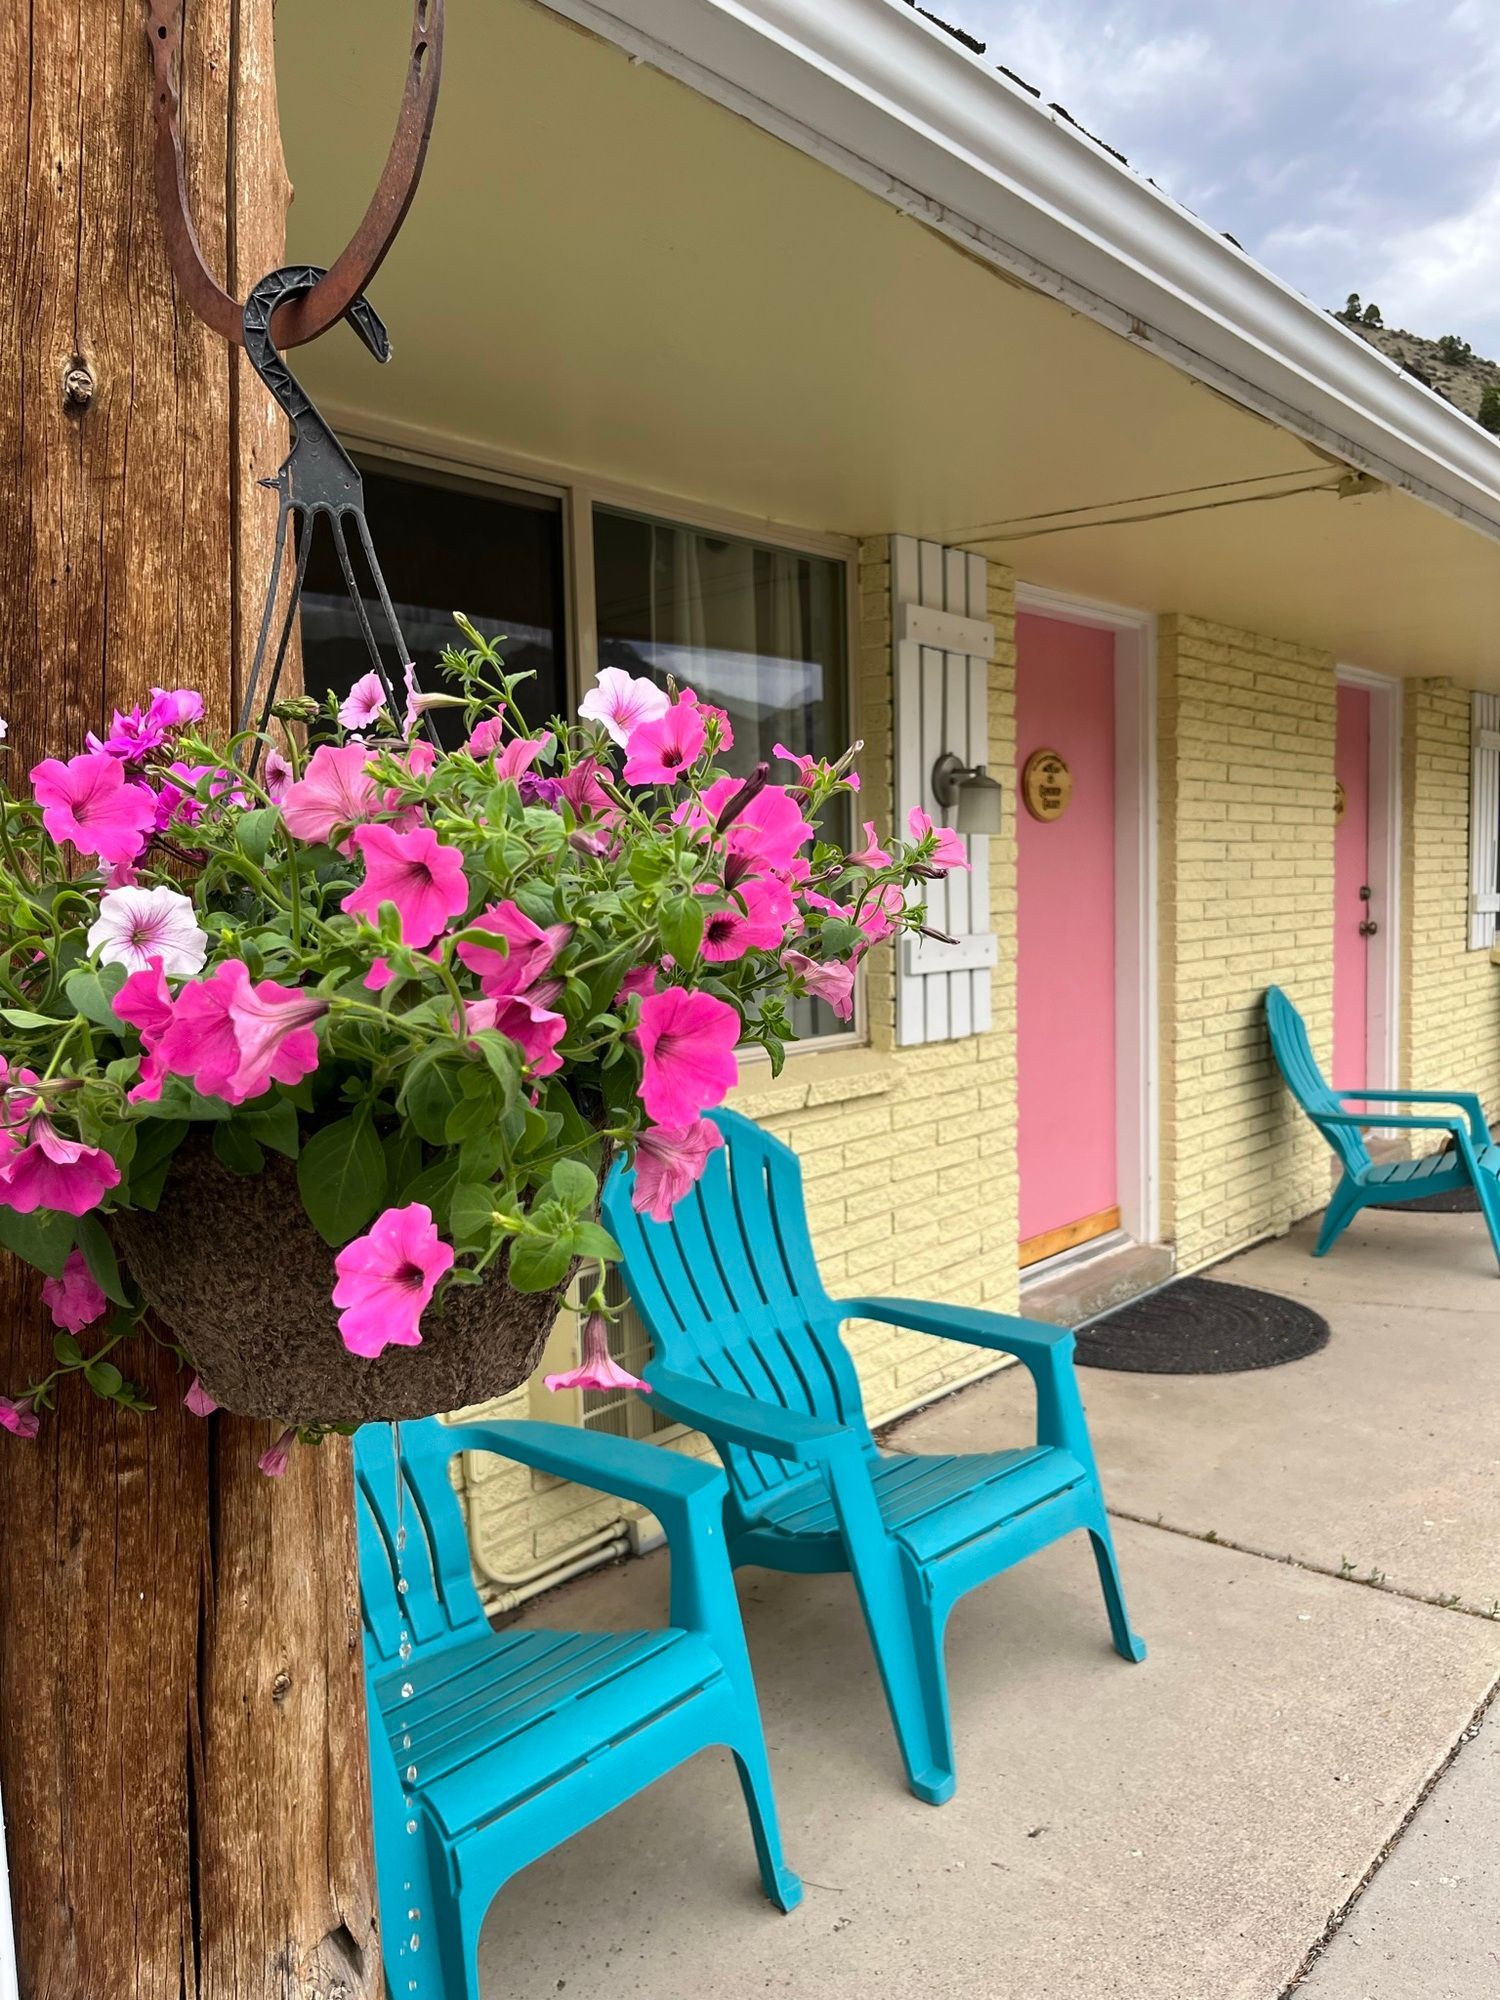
(234,1267)
(319,1042)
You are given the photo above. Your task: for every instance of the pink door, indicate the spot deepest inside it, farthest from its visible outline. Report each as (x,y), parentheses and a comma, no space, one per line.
(1351,873)
(1065,970)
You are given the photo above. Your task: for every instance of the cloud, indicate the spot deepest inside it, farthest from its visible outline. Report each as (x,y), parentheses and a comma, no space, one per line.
(1351,145)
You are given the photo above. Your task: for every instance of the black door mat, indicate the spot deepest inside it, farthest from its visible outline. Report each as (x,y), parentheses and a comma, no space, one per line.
(1198,1326)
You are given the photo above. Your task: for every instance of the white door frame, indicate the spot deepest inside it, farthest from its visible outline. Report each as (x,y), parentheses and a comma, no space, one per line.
(1137,1120)
(1383,967)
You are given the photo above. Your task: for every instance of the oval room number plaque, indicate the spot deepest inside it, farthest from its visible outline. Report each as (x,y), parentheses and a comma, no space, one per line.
(1046,784)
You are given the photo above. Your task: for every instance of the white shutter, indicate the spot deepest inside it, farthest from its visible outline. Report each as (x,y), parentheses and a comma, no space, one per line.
(1484,822)
(944,643)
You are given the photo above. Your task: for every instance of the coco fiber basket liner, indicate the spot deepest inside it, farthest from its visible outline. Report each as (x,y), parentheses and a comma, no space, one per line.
(233,1266)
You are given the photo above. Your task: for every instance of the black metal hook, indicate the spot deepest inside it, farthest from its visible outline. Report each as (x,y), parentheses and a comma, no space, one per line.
(317,480)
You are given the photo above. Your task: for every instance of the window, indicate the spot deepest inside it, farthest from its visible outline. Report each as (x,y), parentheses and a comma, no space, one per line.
(493,552)
(1484,821)
(759,631)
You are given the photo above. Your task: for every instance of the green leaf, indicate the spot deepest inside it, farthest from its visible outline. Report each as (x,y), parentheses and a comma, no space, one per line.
(432,1187)
(180,1100)
(482,1157)
(66,1350)
(503,1058)
(837,937)
(23,1018)
(253,832)
(403,1158)
(41,1238)
(574,1185)
(588,1239)
(539,1264)
(341,1175)
(235,1147)
(93,995)
(273,1121)
(431,1091)
(471,1118)
(471,1213)
(99,1255)
(103,1378)
(682,928)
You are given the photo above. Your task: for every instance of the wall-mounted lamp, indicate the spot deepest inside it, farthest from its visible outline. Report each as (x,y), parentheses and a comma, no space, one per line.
(977,797)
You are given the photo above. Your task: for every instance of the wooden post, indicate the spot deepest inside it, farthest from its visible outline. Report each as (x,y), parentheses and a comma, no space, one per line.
(182,1753)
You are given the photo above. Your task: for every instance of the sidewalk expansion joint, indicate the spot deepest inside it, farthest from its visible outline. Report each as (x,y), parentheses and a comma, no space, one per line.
(1376,1580)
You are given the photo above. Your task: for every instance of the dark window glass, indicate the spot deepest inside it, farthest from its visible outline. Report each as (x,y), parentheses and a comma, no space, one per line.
(494,553)
(760,632)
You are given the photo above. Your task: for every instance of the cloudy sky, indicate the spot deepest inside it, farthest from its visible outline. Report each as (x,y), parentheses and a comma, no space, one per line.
(1351,145)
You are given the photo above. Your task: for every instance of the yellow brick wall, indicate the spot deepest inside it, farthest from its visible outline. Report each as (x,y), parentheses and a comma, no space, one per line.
(1451,1018)
(1245,735)
(909,1155)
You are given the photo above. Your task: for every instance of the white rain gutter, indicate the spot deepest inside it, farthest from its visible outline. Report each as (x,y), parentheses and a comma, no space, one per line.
(9,1989)
(878,93)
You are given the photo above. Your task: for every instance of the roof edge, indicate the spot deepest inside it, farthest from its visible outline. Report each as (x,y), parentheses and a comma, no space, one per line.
(874,90)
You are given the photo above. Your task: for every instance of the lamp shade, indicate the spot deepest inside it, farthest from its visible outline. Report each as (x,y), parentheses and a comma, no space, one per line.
(980,805)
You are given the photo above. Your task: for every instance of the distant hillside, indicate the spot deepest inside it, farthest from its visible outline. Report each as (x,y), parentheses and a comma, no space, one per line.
(1448,364)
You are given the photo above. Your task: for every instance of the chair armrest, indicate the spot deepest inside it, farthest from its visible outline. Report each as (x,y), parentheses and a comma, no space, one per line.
(1396,1121)
(664,1481)
(730,1418)
(1027,1339)
(1466,1101)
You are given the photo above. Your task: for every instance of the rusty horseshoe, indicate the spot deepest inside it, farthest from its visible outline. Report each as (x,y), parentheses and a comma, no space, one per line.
(312,313)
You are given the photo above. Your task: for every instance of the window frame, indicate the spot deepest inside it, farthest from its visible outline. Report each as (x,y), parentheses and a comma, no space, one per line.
(400,448)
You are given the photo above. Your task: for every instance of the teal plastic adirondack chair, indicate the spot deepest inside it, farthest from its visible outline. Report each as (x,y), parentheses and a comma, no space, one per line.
(1473,1162)
(489,1748)
(747,1349)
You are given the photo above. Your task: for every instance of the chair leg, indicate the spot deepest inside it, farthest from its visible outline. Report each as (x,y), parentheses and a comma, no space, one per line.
(782,1886)
(908,1647)
(1487,1187)
(1127,1643)
(1340,1212)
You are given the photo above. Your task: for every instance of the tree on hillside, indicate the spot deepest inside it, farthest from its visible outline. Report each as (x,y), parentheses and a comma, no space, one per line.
(1453,350)
(1352,307)
(1371,315)
(1489,408)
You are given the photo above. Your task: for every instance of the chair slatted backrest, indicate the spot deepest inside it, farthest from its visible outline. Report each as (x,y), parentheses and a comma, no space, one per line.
(409,1489)
(1305,1080)
(730,1292)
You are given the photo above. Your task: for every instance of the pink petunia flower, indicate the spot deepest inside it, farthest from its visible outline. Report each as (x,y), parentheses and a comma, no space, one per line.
(687,1042)
(530,949)
(197,1402)
(882,914)
(640,980)
(49,1171)
(764,835)
(234,1039)
(833,982)
(872,854)
(661,749)
(754,922)
(521,753)
(273,1463)
(668,1161)
(622,702)
(335,790)
(711,714)
(528,1020)
(144,1003)
(948,850)
(386,1279)
(135,926)
(20,1419)
(811,768)
(583,791)
(278,776)
(363,703)
(486,738)
(135,736)
(417,873)
(88,800)
(75,1300)
(598,1369)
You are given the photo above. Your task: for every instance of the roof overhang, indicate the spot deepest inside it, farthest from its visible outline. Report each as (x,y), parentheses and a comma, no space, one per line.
(872,89)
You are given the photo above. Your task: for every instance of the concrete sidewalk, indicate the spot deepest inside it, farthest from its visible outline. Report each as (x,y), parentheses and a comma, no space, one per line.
(1183,1830)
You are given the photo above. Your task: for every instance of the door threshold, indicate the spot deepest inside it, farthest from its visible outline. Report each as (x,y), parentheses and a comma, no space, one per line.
(1094,1279)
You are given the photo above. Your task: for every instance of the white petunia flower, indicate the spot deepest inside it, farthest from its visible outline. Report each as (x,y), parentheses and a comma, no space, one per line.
(622,702)
(136,925)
